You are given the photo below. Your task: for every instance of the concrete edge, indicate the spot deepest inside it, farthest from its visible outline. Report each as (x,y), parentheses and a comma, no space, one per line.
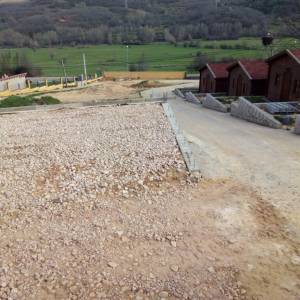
(184,147)
(297,125)
(12,110)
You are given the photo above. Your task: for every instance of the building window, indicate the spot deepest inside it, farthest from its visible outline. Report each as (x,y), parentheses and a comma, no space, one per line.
(277,79)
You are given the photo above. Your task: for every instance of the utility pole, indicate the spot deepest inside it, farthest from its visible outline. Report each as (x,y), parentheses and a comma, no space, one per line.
(127,57)
(84,67)
(126,4)
(65,72)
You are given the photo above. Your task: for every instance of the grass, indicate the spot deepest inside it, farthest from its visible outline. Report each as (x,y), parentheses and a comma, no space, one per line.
(159,56)
(256,99)
(17,101)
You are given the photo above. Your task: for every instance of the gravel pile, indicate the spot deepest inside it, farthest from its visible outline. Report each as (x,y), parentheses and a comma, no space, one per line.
(90,208)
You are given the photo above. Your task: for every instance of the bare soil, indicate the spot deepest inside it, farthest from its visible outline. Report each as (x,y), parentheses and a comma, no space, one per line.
(97,204)
(100,91)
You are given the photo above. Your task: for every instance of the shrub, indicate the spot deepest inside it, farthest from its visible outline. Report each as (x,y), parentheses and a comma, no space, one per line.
(17,101)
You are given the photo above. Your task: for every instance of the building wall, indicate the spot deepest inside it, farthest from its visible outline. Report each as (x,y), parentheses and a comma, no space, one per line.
(13,83)
(259,87)
(278,69)
(222,85)
(239,83)
(207,82)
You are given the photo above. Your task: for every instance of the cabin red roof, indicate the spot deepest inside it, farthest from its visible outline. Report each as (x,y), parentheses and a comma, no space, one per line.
(295,54)
(255,69)
(219,70)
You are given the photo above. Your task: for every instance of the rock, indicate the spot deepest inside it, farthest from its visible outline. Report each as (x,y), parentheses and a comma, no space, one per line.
(163,294)
(174,268)
(112,264)
(295,260)
(211,270)
(174,244)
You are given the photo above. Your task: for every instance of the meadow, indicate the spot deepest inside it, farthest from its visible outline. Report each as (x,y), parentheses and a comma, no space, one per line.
(157,56)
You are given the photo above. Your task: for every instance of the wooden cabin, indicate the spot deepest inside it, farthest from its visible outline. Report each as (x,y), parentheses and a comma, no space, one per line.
(214,78)
(248,78)
(284,76)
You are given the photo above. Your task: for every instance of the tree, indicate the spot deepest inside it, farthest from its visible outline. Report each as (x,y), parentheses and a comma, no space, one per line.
(169,37)
(199,61)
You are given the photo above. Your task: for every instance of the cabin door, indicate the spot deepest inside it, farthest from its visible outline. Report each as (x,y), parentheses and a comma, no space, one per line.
(239,86)
(286,85)
(207,84)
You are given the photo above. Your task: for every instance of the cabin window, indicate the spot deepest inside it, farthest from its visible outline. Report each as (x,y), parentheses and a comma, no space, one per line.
(277,79)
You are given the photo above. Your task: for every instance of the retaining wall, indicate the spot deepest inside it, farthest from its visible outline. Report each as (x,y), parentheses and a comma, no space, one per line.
(297,125)
(191,97)
(245,110)
(179,93)
(145,75)
(213,103)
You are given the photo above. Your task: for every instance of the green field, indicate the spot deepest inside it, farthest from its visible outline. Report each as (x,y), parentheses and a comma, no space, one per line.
(159,56)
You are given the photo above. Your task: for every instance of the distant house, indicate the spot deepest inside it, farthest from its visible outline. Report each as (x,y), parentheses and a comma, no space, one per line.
(12,83)
(214,78)
(284,76)
(248,78)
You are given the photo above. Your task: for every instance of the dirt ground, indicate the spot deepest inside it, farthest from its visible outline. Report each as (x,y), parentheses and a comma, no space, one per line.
(106,89)
(96,203)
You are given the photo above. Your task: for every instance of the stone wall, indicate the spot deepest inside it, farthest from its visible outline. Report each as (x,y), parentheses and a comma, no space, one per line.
(213,103)
(245,110)
(297,125)
(178,93)
(191,97)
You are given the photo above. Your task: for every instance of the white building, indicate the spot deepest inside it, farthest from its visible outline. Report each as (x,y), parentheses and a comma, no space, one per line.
(13,83)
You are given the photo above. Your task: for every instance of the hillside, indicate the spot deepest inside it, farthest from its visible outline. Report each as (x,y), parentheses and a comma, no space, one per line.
(40,23)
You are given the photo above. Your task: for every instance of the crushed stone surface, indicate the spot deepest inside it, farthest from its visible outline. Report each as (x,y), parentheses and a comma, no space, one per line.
(96,203)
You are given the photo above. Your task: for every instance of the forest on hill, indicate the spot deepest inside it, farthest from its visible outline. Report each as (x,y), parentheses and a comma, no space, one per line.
(47,23)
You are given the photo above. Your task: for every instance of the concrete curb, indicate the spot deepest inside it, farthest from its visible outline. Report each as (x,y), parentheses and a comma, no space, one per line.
(297,125)
(182,143)
(108,102)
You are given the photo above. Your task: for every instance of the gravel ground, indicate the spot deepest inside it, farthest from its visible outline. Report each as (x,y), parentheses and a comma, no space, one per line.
(96,203)
(91,208)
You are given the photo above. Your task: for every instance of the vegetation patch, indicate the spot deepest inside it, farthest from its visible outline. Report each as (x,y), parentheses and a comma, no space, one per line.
(17,101)
(256,99)
(227,100)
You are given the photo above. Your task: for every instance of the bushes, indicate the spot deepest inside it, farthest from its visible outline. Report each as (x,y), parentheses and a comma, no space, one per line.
(17,101)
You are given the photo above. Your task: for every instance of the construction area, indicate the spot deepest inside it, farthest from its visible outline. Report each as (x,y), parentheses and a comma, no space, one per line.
(97,202)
